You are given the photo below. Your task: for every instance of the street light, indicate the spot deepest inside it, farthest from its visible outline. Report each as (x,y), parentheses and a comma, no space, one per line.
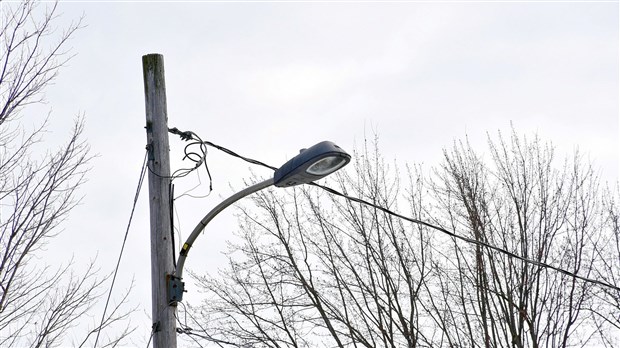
(309,165)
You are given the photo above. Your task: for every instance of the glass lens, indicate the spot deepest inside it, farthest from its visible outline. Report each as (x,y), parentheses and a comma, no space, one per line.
(326,165)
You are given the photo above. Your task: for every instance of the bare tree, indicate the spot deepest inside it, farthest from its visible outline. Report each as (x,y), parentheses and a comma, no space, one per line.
(521,202)
(317,271)
(38,304)
(607,311)
(312,269)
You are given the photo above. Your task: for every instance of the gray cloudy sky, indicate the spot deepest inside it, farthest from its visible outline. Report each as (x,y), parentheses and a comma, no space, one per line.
(266,79)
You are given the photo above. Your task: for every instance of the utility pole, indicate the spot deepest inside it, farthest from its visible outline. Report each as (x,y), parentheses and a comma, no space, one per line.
(164,326)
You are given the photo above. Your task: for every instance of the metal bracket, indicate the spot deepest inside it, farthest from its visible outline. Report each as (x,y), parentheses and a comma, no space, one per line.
(149,149)
(176,288)
(155,328)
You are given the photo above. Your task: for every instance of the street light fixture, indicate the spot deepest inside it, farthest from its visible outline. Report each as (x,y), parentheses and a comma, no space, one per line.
(309,165)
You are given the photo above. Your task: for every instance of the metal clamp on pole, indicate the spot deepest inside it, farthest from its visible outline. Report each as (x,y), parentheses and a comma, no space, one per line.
(176,288)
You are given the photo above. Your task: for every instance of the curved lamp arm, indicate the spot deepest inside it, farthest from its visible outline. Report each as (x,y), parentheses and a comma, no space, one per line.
(309,165)
(178,273)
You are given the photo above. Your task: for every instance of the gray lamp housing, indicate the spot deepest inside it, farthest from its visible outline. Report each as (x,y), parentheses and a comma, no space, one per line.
(311,164)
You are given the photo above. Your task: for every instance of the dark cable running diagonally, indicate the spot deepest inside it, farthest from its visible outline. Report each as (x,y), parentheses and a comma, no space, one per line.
(420,222)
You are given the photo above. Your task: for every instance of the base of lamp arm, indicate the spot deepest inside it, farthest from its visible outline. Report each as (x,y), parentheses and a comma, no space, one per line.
(175,285)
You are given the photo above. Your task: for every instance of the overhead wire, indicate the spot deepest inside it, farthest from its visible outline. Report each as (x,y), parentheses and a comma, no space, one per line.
(420,222)
(466,239)
(189,135)
(118,262)
(184,328)
(187,193)
(234,154)
(177,228)
(153,330)
(172,228)
(198,158)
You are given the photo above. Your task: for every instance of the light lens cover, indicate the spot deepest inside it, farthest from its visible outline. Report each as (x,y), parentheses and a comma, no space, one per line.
(326,165)
(311,164)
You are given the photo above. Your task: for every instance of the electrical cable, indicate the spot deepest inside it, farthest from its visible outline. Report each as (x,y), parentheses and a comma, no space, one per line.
(148,344)
(133,208)
(188,135)
(234,154)
(198,158)
(177,228)
(466,239)
(424,223)
(184,329)
(187,193)
(171,205)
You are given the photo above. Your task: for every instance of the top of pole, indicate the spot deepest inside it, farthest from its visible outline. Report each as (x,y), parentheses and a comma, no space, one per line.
(153,72)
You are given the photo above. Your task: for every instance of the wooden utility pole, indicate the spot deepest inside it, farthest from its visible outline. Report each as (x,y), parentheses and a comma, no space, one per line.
(164,326)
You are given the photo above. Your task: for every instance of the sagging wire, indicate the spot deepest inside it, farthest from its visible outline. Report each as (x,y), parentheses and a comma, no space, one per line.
(133,208)
(234,154)
(466,239)
(197,156)
(416,221)
(172,227)
(187,193)
(200,159)
(148,344)
(185,329)
(189,135)
(176,228)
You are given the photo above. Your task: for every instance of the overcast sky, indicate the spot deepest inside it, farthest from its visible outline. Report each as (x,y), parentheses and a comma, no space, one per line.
(266,79)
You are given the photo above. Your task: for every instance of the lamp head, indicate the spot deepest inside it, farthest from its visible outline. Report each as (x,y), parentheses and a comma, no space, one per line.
(311,164)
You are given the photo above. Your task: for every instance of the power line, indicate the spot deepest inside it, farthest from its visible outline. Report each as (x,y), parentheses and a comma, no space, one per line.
(199,158)
(410,219)
(234,154)
(185,329)
(133,208)
(466,239)
(153,329)
(189,135)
